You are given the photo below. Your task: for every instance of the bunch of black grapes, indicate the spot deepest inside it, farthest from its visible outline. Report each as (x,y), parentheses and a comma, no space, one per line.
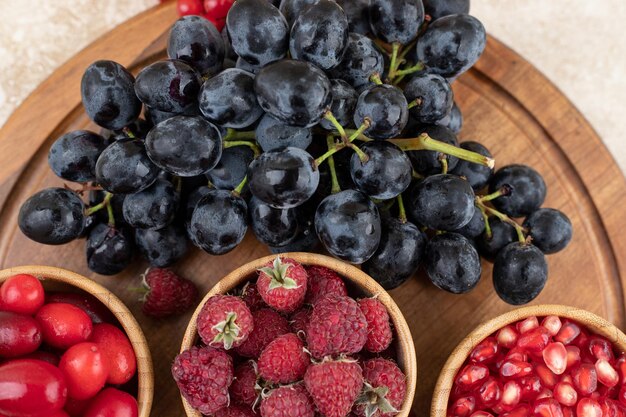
(317,122)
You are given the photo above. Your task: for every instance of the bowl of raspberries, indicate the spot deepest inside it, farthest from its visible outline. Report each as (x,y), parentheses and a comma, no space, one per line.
(545,360)
(299,335)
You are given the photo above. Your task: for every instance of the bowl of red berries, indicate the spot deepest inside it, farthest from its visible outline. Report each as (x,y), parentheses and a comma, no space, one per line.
(544,360)
(69,347)
(300,335)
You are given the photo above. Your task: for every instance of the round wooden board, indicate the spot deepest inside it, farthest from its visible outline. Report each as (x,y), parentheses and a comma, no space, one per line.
(507,104)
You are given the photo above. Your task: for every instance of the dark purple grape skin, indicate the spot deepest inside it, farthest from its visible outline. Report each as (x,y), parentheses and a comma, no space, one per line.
(153,208)
(164,247)
(441,202)
(295,92)
(229,53)
(155,116)
(232,167)
(272,135)
(361,60)
(219,222)
(228,99)
(125,168)
(109,250)
(344,99)
(184,146)
(53,216)
(387,109)
(396,21)
(439,8)
(386,173)
(475,227)
(242,64)
(453,121)
(520,273)
(107,92)
(169,86)
(258,31)
(196,41)
(398,255)
(271,226)
(452,263)
(283,179)
(477,175)
(526,190)
(550,230)
(291,9)
(435,96)
(73,156)
(357,12)
(306,239)
(138,128)
(320,35)
(451,45)
(428,162)
(348,225)
(501,235)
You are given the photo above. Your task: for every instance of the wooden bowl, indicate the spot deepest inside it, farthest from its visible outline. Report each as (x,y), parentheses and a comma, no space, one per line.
(358,282)
(457,358)
(54,278)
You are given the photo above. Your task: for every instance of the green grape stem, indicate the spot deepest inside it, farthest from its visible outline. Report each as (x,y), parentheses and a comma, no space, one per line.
(503,217)
(401,209)
(331,118)
(375,78)
(425,142)
(393,65)
(251,145)
(335,188)
(105,203)
(237,191)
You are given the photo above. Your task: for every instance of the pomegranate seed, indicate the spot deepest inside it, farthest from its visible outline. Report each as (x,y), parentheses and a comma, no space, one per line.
(568,411)
(567,378)
(531,387)
(555,357)
(573,356)
(611,408)
(481,414)
(507,337)
(569,331)
(513,368)
(485,351)
(601,348)
(548,407)
(545,393)
(582,341)
(553,324)
(585,378)
(472,375)
(620,365)
(608,392)
(566,394)
(588,408)
(534,340)
(607,375)
(463,407)
(489,392)
(511,395)
(548,379)
(622,395)
(528,324)
(517,354)
(522,410)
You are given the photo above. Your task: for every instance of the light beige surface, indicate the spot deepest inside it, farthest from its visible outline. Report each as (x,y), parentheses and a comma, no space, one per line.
(578,44)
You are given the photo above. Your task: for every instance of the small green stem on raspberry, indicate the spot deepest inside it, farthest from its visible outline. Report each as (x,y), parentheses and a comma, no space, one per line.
(227,331)
(278,275)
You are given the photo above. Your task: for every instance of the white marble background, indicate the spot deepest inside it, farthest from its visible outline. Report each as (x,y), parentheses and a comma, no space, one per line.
(579,44)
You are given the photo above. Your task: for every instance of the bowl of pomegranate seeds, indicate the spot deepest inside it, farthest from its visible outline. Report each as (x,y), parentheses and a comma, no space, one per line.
(69,347)
(546,360)
(301,335)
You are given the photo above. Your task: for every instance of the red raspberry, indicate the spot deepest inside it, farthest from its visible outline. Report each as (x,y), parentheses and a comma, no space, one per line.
(167,293)
(287,401)
(334,386)
(379,333)
(323,282)
(299,321)
(252,298)
(268,325)
(337,326)
(203,375)
(385,389)
(282,284)
(235,411)
(284,360)
(225,322)
(244,388)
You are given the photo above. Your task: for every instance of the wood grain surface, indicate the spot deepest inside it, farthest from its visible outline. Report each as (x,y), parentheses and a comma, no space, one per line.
(507,104)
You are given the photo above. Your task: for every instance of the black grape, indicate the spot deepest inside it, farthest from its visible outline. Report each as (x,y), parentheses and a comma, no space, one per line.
(434,95)
(475,227)
(439,8)
(155,116)
(52,216)
(525,190)
(387,109)
(107,91)
(502,234)
(291,9)
(170,86)
(550,230)
(196,41)
(109,250)
(294,92)
(125,168)
(228,99)
(306,239)
(399,253)
(520,272)
(320,35)
(152,208)
(477,175)
(452,263)
(232,167)
(428,162)
(272,134)
(396,20)
(272,226)
(242,64)
(138,128)
(184,146)
(357,12)
(344,99)
(361,60)
(453,121)
(73,156)
(163,247)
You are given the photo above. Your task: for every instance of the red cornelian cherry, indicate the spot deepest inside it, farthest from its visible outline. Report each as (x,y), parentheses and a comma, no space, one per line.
(548,407)
(534,340)
(585,378)
(555,357)
(552,324)
(485,351)
(569,331)
(507,337)
(489,392)
(607,375)
(22,294)
(472,375)
(513,368)
(547,377)
(601,348)
(527,325)
(573,356)
(588,408)
(463,407)
(566,394)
